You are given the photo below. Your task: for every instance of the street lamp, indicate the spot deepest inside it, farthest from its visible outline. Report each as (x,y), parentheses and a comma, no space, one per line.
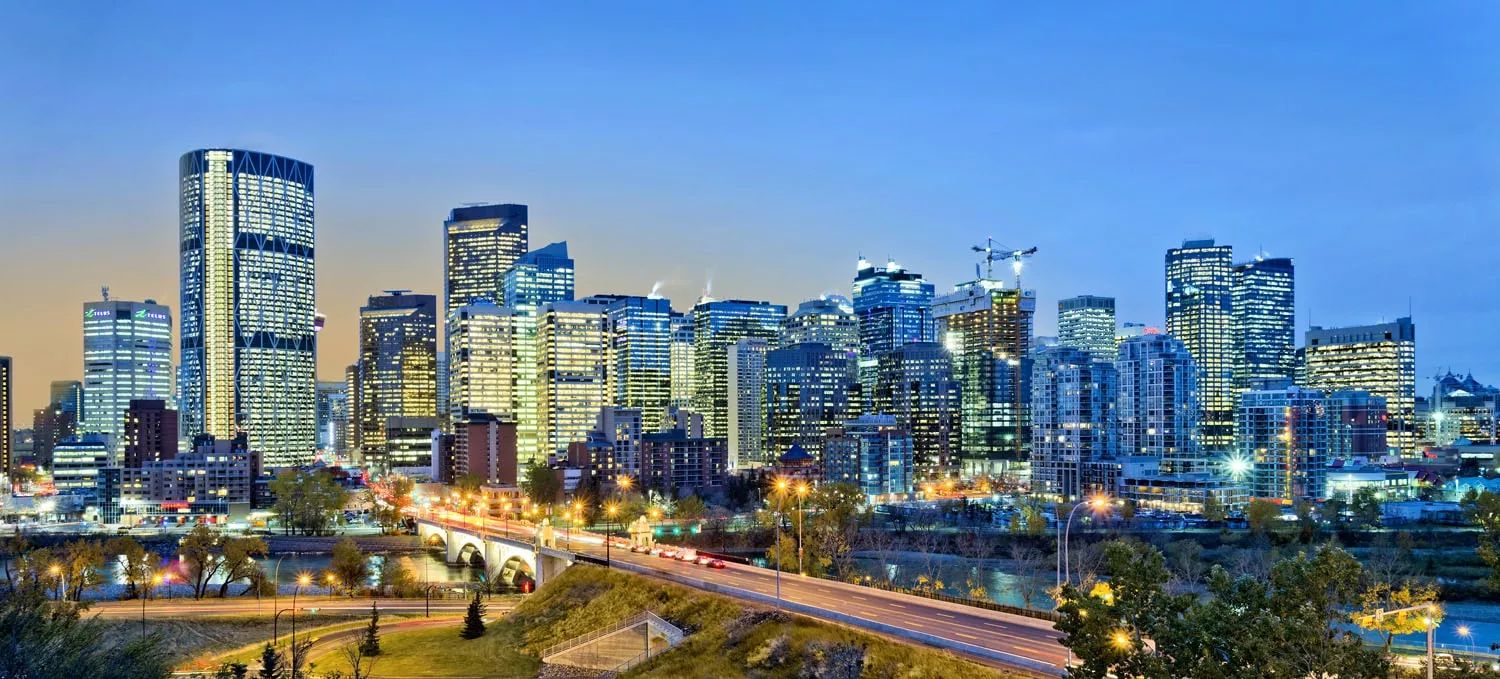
(303,580)
(1064,562)
(781,486)
(802,489)
(332,580)
(155,579)
(610,511)
(56,572)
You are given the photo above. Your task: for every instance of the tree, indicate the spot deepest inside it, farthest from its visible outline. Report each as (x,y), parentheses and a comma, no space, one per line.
(1306,525)
(349,564)
(690,508)
(1185,558)
(361,662)
(474,619)
(238,561)
(1381,597)
(1127,512)
(1484,510)
(1261,515)
(1029,566)
(307,502)
(396,577)
(1213,510)
(138,565)
(541,484)
(1366,507)
(369,644)
(81,562)
(199,555)
(1333,510)
(41,640)
(232,670)
(468,484)
(12,548)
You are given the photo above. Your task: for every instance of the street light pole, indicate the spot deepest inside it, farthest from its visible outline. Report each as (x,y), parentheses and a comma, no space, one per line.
(801,493)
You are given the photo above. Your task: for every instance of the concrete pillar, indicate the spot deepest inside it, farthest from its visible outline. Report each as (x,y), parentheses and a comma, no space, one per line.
(451,541)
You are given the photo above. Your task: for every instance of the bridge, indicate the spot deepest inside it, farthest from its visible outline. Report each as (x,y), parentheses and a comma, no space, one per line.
(998,638)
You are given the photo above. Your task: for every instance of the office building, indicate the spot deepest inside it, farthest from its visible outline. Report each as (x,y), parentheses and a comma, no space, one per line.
(987,329)
(397,368)
(1200,306)
(127,355)
(214,482)
(248,345)
(827,320)
(1128,330)
(1073,399)
(481,361)
(717,325)
(408,444)
(872,453)
(1283,434)
(1356,425)
(333,418)
(676,462)
(481,243)
(486,447)
(1264,321)
(1156,411)
(1465,408)
(810,387)
(914,383)
(538,278)
(682,359)
(1087,322)
(639,356)
(571,358)
(747,403)
(892,308)
(76,462)
(1380,359)
(67,395)
(7,424)
(150,432)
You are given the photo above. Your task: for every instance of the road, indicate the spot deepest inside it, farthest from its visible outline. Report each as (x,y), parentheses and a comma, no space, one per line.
(189,608)
(978,632)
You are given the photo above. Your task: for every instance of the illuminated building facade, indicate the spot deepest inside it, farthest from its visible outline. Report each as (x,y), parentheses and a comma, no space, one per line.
(1073,399)
(828,320)
(481,361)
(571,379)
(870,452)
(333,418)
(1356,425)
(248,346)
(682,359)
(1087,322)
(1470,408)
(481,243)
(747,403)
(1380,359)
(150,432)
(640,356)
(717,325)
(809,388)
(892,308)
(76,462)
(987,329)
(1156,410)
(538,278)
(7,396)
(1200,309)
(1264,321)
(127,355)
(1283,434)
(397,368)
(914,383)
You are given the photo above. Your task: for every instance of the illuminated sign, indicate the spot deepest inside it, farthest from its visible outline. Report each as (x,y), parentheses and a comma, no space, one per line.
(92,314)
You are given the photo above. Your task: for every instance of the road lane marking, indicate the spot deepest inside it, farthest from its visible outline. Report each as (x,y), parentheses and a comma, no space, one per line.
(967,636)
(940,615)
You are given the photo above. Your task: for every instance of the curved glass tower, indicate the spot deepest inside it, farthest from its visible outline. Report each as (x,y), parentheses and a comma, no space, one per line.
(248,347)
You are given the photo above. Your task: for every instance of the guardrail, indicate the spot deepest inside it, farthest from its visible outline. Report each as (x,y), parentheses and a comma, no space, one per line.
(965,601)
(673,633)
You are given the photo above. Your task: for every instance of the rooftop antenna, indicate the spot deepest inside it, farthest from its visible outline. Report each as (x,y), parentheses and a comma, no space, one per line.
(104,290)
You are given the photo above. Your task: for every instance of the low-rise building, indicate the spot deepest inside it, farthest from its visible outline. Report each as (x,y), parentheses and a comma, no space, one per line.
(674,461)
(870,452)
(212,483)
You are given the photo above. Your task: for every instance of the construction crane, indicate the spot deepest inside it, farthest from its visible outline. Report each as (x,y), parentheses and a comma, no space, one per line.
(994,252)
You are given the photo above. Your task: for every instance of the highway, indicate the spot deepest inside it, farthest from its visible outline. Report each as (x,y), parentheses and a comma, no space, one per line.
(990,635)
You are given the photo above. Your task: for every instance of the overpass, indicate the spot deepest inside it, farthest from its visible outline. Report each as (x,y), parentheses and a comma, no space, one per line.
(1000,638)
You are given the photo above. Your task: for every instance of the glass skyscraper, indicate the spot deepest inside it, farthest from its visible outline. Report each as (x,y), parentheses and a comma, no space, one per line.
(682,359)
(914,383)
(571,358)
(892,307)
(717,325)
(829,319)
(248,347)
(747,403)
(481,242)
(481,362)
(1200,309)
(538,278)
(1264,321)
(1380,359)
(1283,433)
(1087,322)
(640,356)
(7,424)
(1072,420)
(127,356)
(809,388)
(397,370)
(333,418)
(987,329)
(1157,406)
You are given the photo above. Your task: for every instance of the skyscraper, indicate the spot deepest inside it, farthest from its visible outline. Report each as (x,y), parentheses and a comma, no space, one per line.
(1264,321)
(247,342)
(829,320)
(682,359)
(747,403)
(1087,322)
(127,355)
(481,361)
(1283,433)
(809,388)
(1200,308)
(870,452)
(149,433)
(987,329)
(333,418)
(1380,359)
(397,368)
(892,307)
(571,372)
(481,242)
(7,425)
(717,325)
(1073,399)
(640,356)
(914,383)
(1157,406)
(539,277)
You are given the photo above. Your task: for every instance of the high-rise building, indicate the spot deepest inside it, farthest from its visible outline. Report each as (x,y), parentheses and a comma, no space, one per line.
(444,399)
(677,461)
(1157,406)
(717,325)
(682,359)
(408,444)
(914,383)
(485,446)
(481,243)
(987,329)
(828,320)
(67,395)
(538,278)
(397,367)
(1264,321)
(333,418)
(1200,313)
(481,361)
(639,356)
(1283,434)
(150,432)
(870,452)
(1380,359)
(570,348)
(7,425)
(48,426)
(1087,322)
(77,460)
(1073,399)
(212,482)
(248,345)
(809,388)
(1356,425)
(892,308)
(127,355)
(747,403)
(1469,408)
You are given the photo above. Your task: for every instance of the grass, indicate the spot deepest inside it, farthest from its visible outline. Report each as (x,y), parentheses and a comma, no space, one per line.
(726,638)
(191,641)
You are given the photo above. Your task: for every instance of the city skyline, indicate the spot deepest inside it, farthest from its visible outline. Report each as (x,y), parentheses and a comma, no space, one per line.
(1279,179)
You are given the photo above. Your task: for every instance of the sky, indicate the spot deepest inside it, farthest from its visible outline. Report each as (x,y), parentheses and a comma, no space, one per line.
(760,148)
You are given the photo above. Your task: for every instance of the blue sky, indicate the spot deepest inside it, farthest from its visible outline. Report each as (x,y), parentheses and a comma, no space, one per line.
(765,145)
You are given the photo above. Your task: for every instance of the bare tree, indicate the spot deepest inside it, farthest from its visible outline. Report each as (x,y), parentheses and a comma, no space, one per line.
(1185,558)
(1029,566)
(361,665)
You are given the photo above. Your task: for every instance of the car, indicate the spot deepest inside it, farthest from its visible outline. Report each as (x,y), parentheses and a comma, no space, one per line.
(656,551)
(688,555)
(669,553)
(703,560)
(716,563)
(637,549)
